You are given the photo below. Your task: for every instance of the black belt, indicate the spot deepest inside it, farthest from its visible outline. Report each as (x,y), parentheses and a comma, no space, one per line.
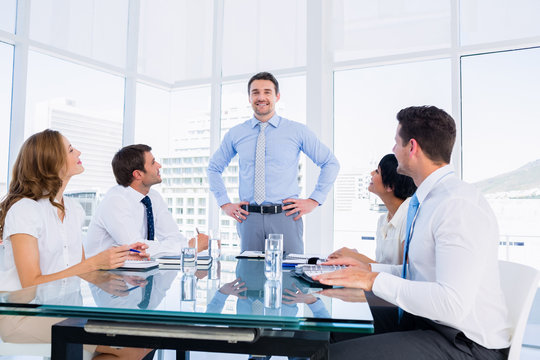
(263,209)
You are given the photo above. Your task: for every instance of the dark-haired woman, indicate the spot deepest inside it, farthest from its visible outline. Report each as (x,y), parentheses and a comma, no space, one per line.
(41,232)
(394,190)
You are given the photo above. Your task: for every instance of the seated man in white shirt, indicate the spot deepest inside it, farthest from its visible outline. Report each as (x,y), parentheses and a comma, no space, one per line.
(451,305)
(132,210)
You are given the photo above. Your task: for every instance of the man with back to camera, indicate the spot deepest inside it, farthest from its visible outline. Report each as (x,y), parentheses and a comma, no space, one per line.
(132,210)
(451,305)
(268,147)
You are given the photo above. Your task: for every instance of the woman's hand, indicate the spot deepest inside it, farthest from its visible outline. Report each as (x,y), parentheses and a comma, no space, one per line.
(111,258)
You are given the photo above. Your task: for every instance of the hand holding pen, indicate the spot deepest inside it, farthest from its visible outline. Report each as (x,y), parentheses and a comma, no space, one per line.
(137,251)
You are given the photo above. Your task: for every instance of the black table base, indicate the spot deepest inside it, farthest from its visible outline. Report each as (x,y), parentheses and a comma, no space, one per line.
(69,335)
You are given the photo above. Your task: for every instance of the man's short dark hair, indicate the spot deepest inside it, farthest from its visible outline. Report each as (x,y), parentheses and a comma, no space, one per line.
(264,76)
(127,160)
(432,128)
(402,185)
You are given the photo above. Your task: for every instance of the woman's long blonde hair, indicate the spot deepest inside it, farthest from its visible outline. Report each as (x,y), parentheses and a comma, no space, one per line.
(36,172)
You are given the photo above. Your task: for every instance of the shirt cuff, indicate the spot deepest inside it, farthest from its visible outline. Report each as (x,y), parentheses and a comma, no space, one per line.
(317,306)
(386,286)
(222,200)
(318,197)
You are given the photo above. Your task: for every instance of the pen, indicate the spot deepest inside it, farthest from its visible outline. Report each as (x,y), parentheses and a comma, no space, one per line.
(197,229)
(137,251)
(132,288)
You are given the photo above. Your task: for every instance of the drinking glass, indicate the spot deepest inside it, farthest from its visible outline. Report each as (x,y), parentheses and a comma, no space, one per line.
(189,260)
(188,289)
(214,246)
(273,256)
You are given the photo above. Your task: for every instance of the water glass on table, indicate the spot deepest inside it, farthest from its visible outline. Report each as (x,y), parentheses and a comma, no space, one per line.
(272,294)
(214,245)
(188,289)
(273,256)
(189,260)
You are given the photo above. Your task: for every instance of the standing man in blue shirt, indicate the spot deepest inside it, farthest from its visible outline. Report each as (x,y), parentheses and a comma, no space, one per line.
(269,147)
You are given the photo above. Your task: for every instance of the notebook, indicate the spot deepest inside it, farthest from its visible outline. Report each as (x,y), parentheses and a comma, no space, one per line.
(177,260)
(140,265)
(295,259)
(251,255)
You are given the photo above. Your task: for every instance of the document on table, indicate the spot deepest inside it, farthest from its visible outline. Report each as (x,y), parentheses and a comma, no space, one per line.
(141,265)
(251,255)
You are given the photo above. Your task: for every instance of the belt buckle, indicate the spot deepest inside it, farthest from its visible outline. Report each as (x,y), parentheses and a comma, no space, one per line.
(275,209)
(262,210)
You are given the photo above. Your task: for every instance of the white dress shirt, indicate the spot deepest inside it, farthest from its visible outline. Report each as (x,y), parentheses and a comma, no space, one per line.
(120,219)
(391,235)
(453,266)
(59,243)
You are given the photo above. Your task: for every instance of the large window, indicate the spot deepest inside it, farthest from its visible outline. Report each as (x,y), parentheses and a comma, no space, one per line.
(86,106)
(177,126)
(6,66)
(364,29)
(484,21)
(96,29)
(7,15)
(501,123)
(366,104)
(175,39)
(263,35)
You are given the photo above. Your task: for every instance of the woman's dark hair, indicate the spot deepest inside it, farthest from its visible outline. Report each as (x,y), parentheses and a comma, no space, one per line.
(402,185)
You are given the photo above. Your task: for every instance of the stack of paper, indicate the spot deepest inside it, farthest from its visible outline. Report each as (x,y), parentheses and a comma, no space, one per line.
(139,265)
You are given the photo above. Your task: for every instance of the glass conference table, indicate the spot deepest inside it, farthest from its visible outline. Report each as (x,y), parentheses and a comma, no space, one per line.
(229,307)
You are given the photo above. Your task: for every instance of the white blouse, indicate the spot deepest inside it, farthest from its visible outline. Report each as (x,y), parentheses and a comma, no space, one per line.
(390,236)
(59,243)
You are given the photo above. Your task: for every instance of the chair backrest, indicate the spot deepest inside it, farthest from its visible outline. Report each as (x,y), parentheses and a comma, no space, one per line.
(519,284)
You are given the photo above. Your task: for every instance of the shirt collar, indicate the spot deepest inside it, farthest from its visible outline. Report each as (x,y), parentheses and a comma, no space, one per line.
(274,121)
(429,183)
(134,194)
(400,213)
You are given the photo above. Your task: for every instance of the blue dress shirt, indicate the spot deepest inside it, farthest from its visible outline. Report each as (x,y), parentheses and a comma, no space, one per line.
(284,141)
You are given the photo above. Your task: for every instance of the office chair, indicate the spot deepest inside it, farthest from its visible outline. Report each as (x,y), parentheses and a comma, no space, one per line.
(519,284)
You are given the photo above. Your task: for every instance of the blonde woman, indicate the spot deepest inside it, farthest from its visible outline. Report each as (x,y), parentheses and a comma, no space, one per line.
(41,233)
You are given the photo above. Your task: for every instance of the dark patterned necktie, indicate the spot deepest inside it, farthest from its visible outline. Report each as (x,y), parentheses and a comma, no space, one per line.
(149,217)
(146,293)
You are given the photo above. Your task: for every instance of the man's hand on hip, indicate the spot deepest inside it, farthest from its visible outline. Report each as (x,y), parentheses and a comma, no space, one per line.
(235,211)
(300,206)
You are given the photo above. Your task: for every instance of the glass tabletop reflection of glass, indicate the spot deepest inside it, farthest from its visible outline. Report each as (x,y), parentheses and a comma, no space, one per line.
(231,292)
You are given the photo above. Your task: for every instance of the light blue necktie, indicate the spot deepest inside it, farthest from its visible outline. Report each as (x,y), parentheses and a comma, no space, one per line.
(411,216)
(259,192)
